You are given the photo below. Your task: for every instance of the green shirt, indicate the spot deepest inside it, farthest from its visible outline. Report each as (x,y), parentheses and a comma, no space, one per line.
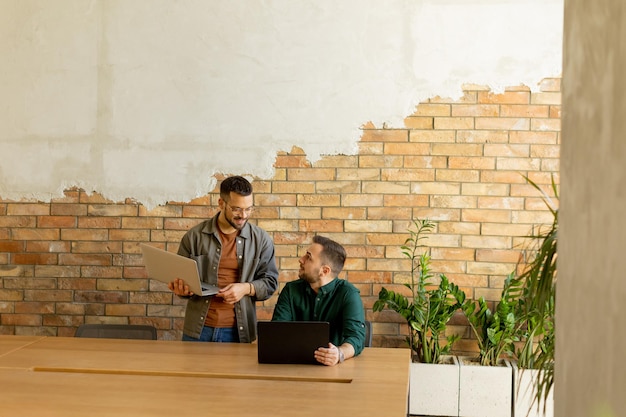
(337,302)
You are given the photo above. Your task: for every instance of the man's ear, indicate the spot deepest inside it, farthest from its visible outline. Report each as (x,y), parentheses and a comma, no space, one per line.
(325,269)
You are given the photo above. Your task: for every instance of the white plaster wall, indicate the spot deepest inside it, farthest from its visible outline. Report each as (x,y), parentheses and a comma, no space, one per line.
(149,98)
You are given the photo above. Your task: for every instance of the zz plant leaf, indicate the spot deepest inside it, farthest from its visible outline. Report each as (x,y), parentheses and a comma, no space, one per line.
(495,331)
(430,306)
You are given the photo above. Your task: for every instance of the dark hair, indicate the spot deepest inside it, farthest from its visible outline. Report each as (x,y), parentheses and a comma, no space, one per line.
(235,184)
(332,253)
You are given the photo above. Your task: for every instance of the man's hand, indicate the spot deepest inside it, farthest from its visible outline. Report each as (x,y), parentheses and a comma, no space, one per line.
(327,356)
(234,292)
(179,288)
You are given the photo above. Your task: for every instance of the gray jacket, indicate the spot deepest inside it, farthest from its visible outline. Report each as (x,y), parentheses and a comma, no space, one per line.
(255,253)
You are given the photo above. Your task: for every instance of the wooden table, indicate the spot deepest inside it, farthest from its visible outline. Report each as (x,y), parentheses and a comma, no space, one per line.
(57,376)
(10,343)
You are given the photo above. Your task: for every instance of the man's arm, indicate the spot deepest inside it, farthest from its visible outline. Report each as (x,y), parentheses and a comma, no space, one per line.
(265,280)
(353,332)
(333,355)
(353,322)
(282,309)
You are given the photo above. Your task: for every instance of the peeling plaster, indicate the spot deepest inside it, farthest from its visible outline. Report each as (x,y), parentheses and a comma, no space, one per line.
(149,99)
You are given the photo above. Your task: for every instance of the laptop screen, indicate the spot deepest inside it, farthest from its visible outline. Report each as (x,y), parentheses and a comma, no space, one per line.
(292,342)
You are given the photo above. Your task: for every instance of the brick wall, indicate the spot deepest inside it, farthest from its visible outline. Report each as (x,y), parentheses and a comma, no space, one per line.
(76,259)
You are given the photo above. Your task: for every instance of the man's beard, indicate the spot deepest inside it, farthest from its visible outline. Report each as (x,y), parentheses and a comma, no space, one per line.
(235,225)
(303,276)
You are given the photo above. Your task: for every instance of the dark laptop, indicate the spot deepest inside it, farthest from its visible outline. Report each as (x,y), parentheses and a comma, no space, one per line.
(291,341)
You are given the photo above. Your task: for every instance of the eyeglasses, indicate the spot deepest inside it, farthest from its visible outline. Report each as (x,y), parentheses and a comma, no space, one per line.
(239,211)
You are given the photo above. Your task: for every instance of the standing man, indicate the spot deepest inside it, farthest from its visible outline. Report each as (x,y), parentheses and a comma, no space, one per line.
(320,296)
(236,256)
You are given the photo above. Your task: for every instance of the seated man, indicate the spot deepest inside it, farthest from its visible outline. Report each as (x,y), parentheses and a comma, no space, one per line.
(320,296)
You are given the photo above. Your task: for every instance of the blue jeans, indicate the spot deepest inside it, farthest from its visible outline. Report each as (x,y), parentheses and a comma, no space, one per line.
(215,334)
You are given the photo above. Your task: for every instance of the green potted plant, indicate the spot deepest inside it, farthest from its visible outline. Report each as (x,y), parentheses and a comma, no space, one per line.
(427,310)
(486,380)
(495,331)
(535,292)
(521,327)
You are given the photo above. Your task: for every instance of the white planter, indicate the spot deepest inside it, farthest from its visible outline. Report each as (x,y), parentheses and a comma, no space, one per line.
(434,388)
(524,395)
(485,391)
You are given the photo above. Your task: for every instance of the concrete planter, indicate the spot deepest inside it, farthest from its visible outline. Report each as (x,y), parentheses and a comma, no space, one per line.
(524,395)
(434,388)
(485,391)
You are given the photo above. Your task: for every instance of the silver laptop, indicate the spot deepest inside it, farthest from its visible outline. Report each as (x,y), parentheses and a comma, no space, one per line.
(166,266)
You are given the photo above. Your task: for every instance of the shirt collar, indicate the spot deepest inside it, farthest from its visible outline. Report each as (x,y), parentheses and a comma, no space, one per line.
(328,288)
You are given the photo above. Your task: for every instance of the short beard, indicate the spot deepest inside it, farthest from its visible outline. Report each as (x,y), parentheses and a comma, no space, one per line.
(235,225)
(303,276)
